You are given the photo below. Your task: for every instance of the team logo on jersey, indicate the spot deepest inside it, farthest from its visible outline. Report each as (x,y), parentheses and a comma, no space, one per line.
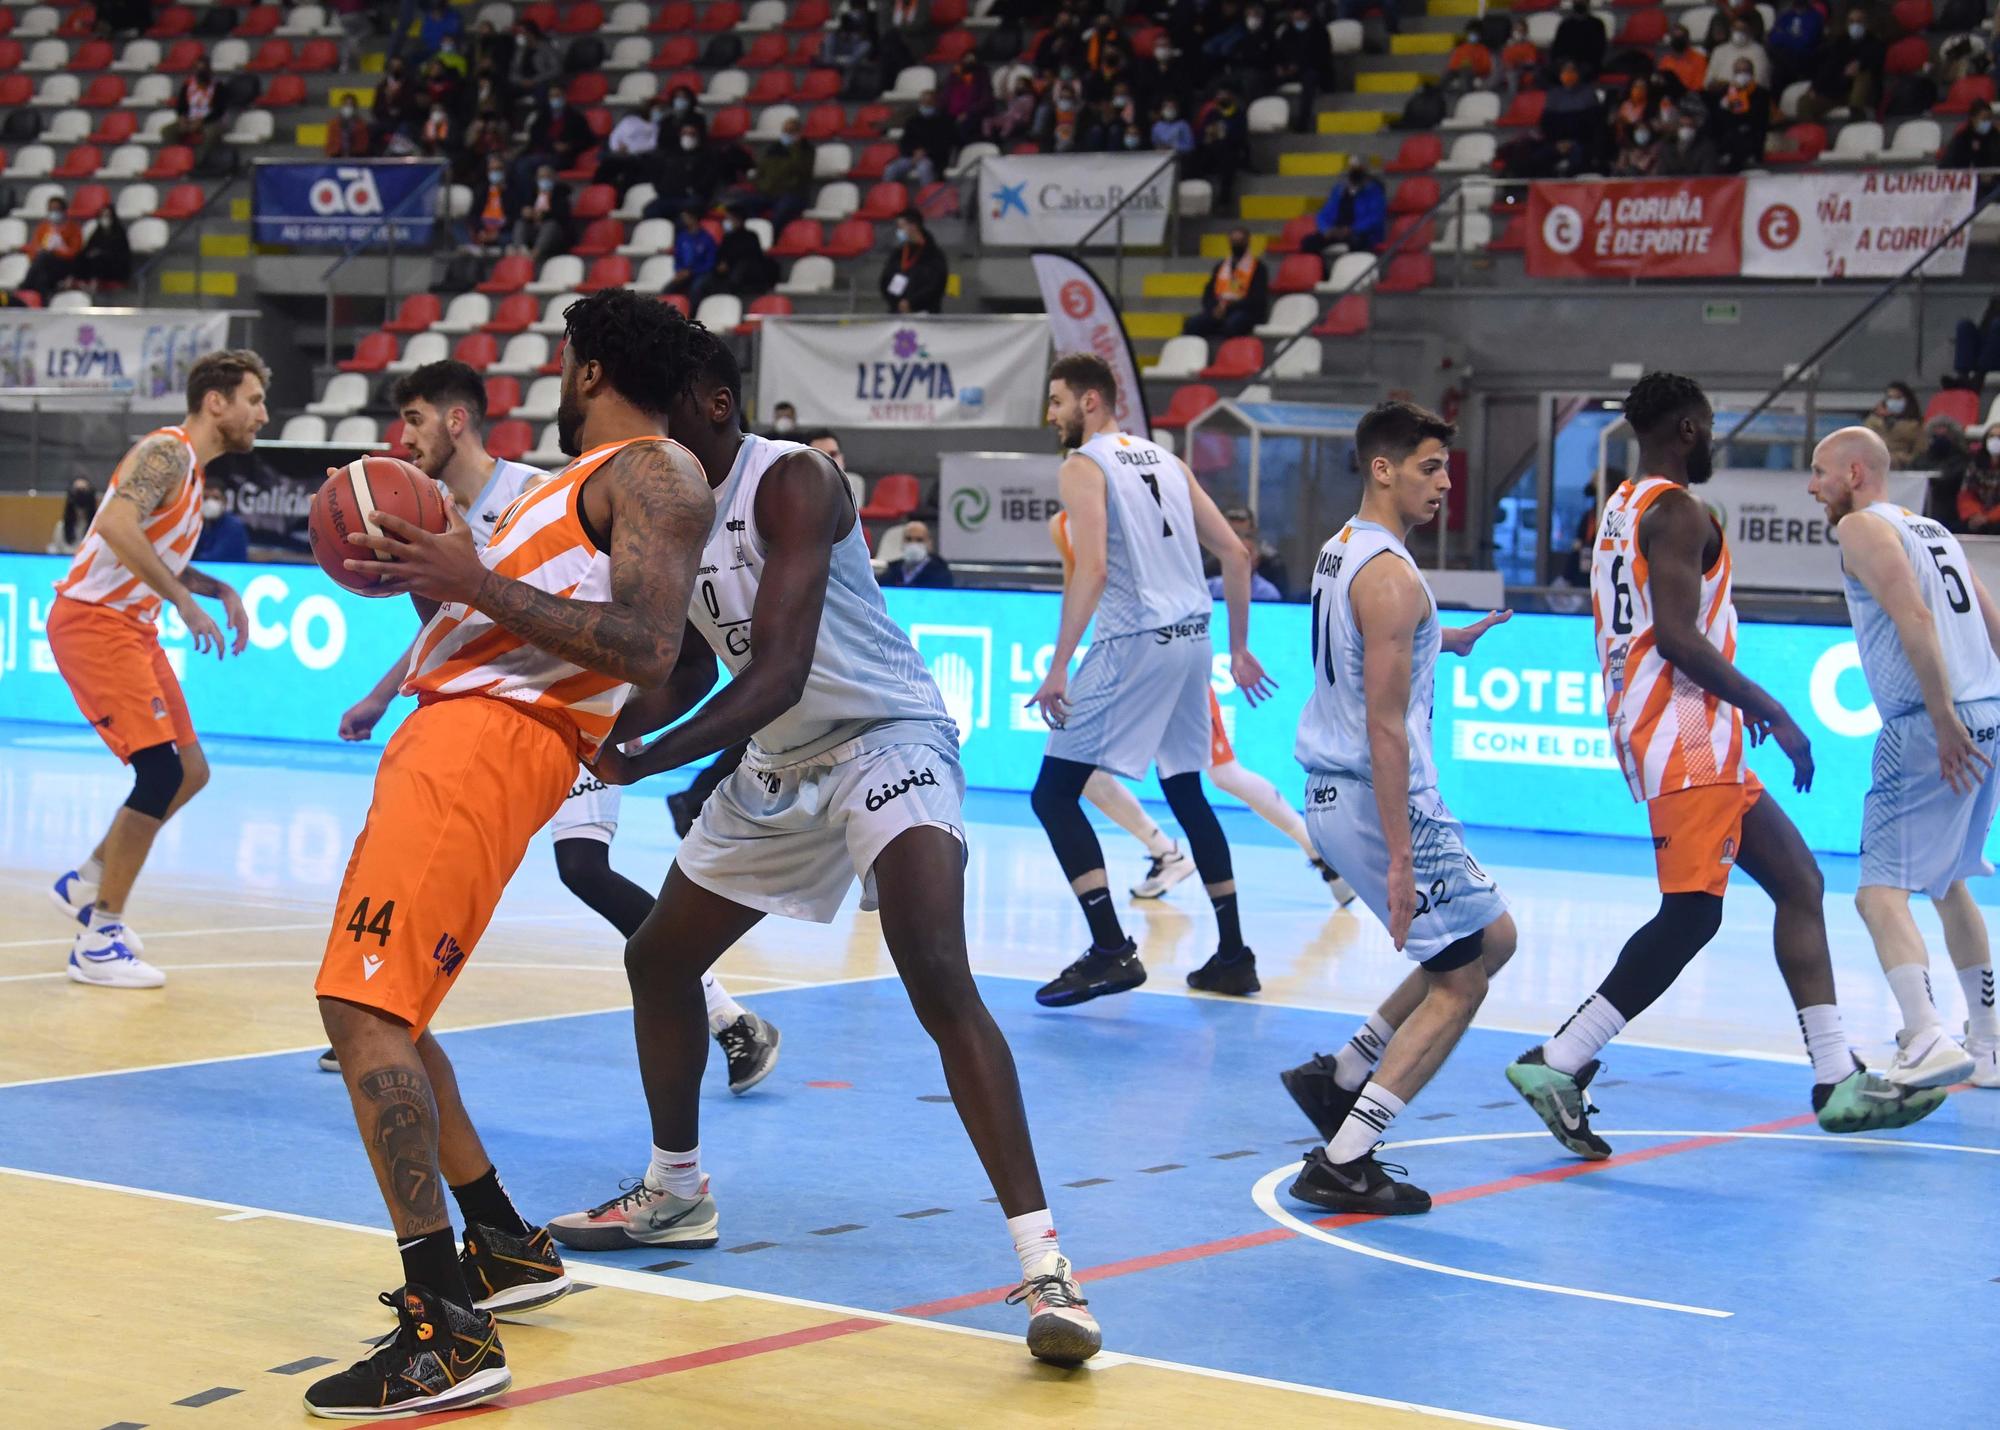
(447,955)
(159,708)
(1729,851)
(889,791)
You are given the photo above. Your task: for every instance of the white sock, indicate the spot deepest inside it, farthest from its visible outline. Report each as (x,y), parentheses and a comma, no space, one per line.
(1353,1063)
(91,870)
(1261,795)
(722,1009)
(1826,1043)
(1982,1019)
(1583,1037)
(1911,983)
(102,918)
(1367,1120)
(676,1172)
(1034,1236)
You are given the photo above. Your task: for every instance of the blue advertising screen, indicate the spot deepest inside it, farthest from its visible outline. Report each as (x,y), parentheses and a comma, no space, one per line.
(338,203)
(1519,727)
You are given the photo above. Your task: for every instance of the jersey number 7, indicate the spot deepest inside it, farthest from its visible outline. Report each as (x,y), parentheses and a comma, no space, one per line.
(1153,484)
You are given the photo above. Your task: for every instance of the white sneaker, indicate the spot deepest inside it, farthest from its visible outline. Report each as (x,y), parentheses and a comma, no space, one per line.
(1165,871)
(641,1216)
(74,896)
(1060,1330)
(103,957)
(1928,1059)
(1342,891)
(1985,1055)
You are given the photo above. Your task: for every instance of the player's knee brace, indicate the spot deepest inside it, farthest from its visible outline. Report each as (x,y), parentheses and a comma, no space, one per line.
(1654,956)
(1057,802)
(582,864)
(156,779)
(1196,817)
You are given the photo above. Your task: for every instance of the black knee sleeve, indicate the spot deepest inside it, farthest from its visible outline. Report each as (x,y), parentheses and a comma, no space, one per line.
(1057,802)
(156,779)
(1654,956)
(584,865)
(1196,817)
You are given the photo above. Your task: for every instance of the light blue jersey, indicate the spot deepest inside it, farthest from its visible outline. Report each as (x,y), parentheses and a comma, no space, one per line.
(1152,557)
(1945,578)
(508,481)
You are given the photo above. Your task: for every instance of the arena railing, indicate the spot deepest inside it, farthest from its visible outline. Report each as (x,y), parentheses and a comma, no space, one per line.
(194,224)
(435,187)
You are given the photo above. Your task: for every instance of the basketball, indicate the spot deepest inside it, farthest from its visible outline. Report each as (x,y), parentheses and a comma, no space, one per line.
(348,502)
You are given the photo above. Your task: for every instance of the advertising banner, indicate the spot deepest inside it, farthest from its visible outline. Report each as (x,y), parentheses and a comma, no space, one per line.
(1084,319)
(1645,228)
(1053,200)
(1871,225)
(316,204)
(908,371)
(996,506)
(135,355)
(1778,535)
(270,488)
(1519,724)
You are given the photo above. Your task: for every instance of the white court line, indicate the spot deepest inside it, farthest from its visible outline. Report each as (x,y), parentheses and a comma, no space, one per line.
(486,963)
(1264,1194)
(674,1289)
(318,923)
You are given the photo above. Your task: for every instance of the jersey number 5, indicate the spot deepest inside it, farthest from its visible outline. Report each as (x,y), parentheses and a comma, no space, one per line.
(1153,484)
(1621,599)
(1954,584)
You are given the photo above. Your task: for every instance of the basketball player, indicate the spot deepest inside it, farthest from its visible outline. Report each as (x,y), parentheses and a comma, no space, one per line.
(104,635)
(1137,523)
(1169,865)
(1677,708)
(852,772)
(443,405)
(1928,633)
(529,649)
(1372,800)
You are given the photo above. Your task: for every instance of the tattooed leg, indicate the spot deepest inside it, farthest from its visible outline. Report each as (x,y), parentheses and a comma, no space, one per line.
(396,1110)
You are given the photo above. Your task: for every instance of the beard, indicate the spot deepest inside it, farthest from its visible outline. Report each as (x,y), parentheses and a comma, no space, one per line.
(569,426)
(1070,434)
(241,439)
(1701,462)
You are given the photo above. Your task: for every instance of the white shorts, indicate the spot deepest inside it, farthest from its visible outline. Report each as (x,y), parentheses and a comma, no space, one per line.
(1915,833)
(1141,700)
(792,840)
(1455,897)
(590,811)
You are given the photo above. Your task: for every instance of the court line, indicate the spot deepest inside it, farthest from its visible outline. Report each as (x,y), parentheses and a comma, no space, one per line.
(487,963)
(318,923)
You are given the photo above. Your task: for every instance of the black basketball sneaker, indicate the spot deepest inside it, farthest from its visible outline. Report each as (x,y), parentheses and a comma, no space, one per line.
(1363,1185)
(751,1046)
(1098,972)
(508,1273)
(441,1357)
(1233,973)
(1317,1090)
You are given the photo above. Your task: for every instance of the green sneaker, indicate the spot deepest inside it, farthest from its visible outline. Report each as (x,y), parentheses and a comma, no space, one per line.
(1868,1102)
(1559,1100)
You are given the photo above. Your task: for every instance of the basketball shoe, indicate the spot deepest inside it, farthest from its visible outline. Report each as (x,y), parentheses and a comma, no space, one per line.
(512,1273)
(1233,973)
(1061,1330)
(77,898)
(440,1357)
(1100,971)
(105,957)
(1865,1101)
(1163,873)
(1363,1185)
(751,1046)
(1928,1058)
(1315,1087)
(1985,1059)
(641,1216)
(1560,1100)
(1342,891)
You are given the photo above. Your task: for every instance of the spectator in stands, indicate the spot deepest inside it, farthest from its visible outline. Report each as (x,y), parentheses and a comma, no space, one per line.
(1976,145)
(1228,107)
(1102,127)
(349,136)
(440,26)
(1062,47)
(1270,565)
(452,58)
(906,30)
(542,226)
(1849,71)
(1638,105)
(1580,40)
(1793,41)
(968,98)
(487,138)
(1741,45)
(823,440)
(106,260)
(929,140)
(493,204)
(1214,159)
(223,537)
(394,105)
(489,47)
(1521,60)
(1639,153)
(56,243)
(915,274)
(1014,124)
(1304,56)
(919,564)
(1238,295)
(784,419)
(1690,151)
(1742,120)
(1171,131)
(1979,488)
(1898,420)
(1354,218)
(1177,74)
(558,137)
(1573,124)
(784,177)
(1685,61)
(198,110)
(695,253)
(1471,65)
(852,42)
(742,268)
(685,177)
(628,153)
(117,18)
(435,138)
(536,64)
(79,509)
(1976,349)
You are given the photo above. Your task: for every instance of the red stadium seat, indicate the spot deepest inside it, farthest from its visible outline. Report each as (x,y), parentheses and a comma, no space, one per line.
(1348,317)
(6,19)
(1802,143)
(392,436)
(874,159)
(947,14)
(16,90)
(614,270)
(175,161)
(1909,55)
(181,57)
(510,275)
(544,15)
(677,53)
(1235,360)
(673,18)
(1290,236)
(1145,40)
(731,122)
(798,238)
(823,121)
(850,238)
(679,303)
(172,23)
(583,170)
(317,57)
(716,18)
(1913,16)
(1419,155)
(92,56)
(372,354)
(1414,196)
(951,47)
(1299,273)
(1643,30)
(273,55)
(770,86)
(939,200)
(892,498)
(689,80)
(884,201)
(818,87)
(516,314)
(106,91)
(581,19)
(600,123)
(113,128)
(28,298)
(182,201)
(416,312)
(287,91)
(1408,273)
(806,48)
(10,51)
(1965,92)
(601,237)
(869,121)
(1956,403)
(595,202)
(1187,403)
(80,163)
(764,52)
(79,23)
(259,21)
(771,305)
(88,202)
(511,440)
(477,350)
(588,88)
(1524,113)
(503,395)
(808,15)
(1410,231)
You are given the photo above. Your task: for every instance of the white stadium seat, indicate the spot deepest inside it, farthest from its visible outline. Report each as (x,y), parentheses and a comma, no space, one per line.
(559,275)
(148,235)
(69,300)
(1470,154)
(34,205)
(763,15)
(911,82)
(346,392)
(1300,360)
(13,234)
(467,312)
(356,432)
(636,89)
(154,131)
(1196,198)
(810,274)
(13,268)
(1181,357)
(1293,313)
(1856,143)
(306,22)
(636,199)
(548,453)
(630,18)
(37,21)
(31,161)
(1917,142)
(499,12)
(719,312)
(421,350)
(553,311)
(654,274)
(72,126)
(634,52)
(45,56)
(832,161)
(229,55)
(1270,115)
(771,122)
(135,201)
(252,126)
(149,91)
(306,427)
(650,236)
(524,353)
(1542,26)
(969,157)
(836,201)
(1470,234)
(138,57)
(544,396)
(727,87)
(58,91)
(761,227)
(1479,109)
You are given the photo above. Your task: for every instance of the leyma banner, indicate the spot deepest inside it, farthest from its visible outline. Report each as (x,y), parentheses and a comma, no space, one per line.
(907,371)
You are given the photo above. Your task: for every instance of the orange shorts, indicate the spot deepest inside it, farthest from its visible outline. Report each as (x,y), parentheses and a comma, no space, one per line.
(462,787)
(119,677)
(1696,833)
(1219,751)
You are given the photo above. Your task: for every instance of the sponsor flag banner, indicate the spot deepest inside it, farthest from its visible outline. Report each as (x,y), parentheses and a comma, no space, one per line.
(907,371)
(1779,537)
(1871,225)
(337,205)
(996,506)
(1637,228)
(135,356)
(1084,319)
(1053,200)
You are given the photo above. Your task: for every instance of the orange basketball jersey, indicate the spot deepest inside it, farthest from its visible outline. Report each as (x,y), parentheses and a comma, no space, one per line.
(98,578)
(1669,733)
(539,540)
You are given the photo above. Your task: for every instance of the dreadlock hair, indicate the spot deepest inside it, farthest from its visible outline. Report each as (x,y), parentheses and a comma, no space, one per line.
(1659,398)
(648,351)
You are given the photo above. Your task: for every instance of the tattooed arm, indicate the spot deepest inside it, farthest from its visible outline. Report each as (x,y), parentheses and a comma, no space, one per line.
(150,479)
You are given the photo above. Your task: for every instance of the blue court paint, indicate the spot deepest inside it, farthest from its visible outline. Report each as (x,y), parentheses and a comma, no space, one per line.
(1806,1243)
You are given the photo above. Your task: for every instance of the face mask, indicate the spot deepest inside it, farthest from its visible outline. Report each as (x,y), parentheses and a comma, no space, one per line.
(1253,24)
(1739,37)
(915,553)
(348,112)
(211,509)
(688,141)
(1687,135)
(1298,24)
(1855,32)
(547,186)
(1642,136)
(1993,445)
(1984,126)
(783,424)
(1894,406)
(556,105)
(1133,141)
(680,103)
(1239,249)
(657,115)
(58,215)
(447,48)
(927,110)
(1170,114)
(904,236)
(1741,80)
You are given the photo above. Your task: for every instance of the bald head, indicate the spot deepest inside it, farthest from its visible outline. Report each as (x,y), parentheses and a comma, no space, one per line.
(1850,470)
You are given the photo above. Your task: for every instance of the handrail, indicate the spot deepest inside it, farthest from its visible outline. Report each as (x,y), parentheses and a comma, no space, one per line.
(435,183)
(1137,189)
(142,278)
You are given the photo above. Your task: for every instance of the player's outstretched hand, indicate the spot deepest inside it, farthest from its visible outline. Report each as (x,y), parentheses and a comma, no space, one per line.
(1248,673)
(1962,763)
(1798,749)
(202,629)
(1053,698)
(438,567)
(1459,640)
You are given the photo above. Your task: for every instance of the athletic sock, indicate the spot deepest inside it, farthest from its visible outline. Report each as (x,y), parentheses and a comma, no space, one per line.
(1583,1037)
(1982,1019)
(1353,1064)
(1911,983)
(91,870)
(103,918)
(678,1173)
(1826,1043)
(1105,930)
(484,1201)
(722,1009)
(1034,1236)
(1228,929)
(1158,846)
(1367,1120)
(431,1261)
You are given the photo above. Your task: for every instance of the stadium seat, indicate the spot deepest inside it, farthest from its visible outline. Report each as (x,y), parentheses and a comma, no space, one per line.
(344,393)
(503,396)
(1479,109)
(1468,234)
(317,57)
(725,87)
(252,126)
(305,21)
(820,86)
(1272,114)
(138,57)
(550,324)
(392,436)
(510,440)
(1909,55)
(636,89)
(152,91)
(1526,110)
(479,351)
(824,122)
(1419,154)
(1917,141)
(516,314)
(673,18)
(808,15)
(1196,198)
(1186,404)
(720,312)
(46,57)
(771,305)
(356,431)
(228,56)
(806,49)
(272,56)
(87,201)
(874,160)
(31,161)
(37,22)
(772,118)
(1182,356)
(182,202)
(13,270)
(1297,362)
(91,57)
(305,427)
(560,274)
(951,47)
(1235,359)
(868,123)
(1408,273)
(372,354)
(467,313)
(719,16)
(629,18)
(730,123)
(543,399)
(526,354)
(893,499)
(1965,92)
(1295,311)
(136,201)
(181,57)
(509,275)
(1856,143)
(633,52)
(811,274)
(414,314)
(654,274)
(585,17)
(650,236)
(148,236)
(1414,196)
(832,161)
(800,236)
(1470,154)
(911,82)
(587,90)
(1956,403)
(172,22)
(70,126)
(1291,235)
(1298,273)
(172,162)
(850,238)
(1801,144)
(79,163)
(1644,30)
(59,91)
(1345,318)
(286,91)
(834,202)
(764,52)
(599,238)
(884,202)
(612,270)
(114,128)
(678,53)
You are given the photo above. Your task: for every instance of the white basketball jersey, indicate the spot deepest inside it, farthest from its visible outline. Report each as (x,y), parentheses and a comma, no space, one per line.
(1152,558)
(508,481)
(865,670)
(1333,731)
(1945,578)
